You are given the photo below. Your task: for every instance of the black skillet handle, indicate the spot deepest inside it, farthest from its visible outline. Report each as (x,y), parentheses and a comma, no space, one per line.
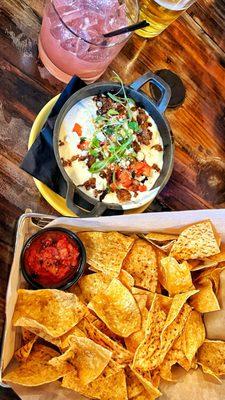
(161,85)
(97,210)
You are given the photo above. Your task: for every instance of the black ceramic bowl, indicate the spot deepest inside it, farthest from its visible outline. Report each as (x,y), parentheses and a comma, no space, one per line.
(156,110)
(69,280)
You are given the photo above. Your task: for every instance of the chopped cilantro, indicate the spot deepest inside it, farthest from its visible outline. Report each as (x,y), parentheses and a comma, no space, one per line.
(134,126)
(93,152)
(112,112)
(94,142)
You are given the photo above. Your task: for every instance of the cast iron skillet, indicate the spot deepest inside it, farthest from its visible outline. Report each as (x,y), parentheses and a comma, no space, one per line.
(156,111)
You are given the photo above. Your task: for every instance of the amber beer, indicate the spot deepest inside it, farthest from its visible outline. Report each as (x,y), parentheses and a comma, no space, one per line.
(160,14)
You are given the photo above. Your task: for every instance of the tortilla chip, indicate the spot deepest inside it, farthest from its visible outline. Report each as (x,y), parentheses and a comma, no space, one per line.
(164,246)
(175,277)
(117,308)
(177,303)
(165,368)
(101,326)
(218,257)
(142,265)
(77,291)
(178,347)
(92,284)
(119,354)
(212,274)
(161,237)
(66,338)
(207,370)
(134,386)
(161,332)
(155,321)
(70,381)
(141,300)
(143,396)
(205,300)
(196,241)
(89,358)
(112,387)
(106,250)
(41,334)
(166,302)
(204,264)
(150,296)
(111,368)
(90,316)
(160,255)
(36,370)
(27,335)
(23,352)
(148,385)
(193,335)
(174,356)
(171,332)
(126,279)
(132,342)
(155,377)
(193,263)
(49,310)
(211,355)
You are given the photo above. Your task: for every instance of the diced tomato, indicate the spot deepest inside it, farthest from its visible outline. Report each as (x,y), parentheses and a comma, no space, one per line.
(113,187)
(141,168)
(124,178)
(142,188)
(78,129)
(83,145)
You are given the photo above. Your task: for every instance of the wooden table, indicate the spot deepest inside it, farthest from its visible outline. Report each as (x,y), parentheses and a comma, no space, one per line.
(193,47)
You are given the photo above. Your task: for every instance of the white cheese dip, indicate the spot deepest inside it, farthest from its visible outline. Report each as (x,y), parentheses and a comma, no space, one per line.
(84,113)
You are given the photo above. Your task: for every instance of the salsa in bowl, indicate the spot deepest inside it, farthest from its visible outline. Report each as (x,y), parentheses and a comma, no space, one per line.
(53,258)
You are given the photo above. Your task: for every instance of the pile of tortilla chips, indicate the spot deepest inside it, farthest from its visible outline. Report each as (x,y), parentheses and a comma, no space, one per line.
(123,327)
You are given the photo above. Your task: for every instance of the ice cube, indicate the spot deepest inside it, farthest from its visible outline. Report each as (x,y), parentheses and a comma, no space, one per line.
(65,5)
(54,21)
(92,36)
(52,15)
(70,45)
(57,31)
(92,19)
(71,16)
(115,18)
(108,5)
(75,45)
(61,33)
(82,48)
(75,24)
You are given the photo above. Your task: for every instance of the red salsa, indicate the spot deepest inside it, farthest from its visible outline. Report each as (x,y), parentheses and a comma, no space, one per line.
(51,258)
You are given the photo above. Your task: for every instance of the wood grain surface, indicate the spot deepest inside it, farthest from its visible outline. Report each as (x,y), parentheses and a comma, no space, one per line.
(193,47)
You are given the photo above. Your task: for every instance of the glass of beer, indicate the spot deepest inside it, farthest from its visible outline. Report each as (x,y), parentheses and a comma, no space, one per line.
(160,14)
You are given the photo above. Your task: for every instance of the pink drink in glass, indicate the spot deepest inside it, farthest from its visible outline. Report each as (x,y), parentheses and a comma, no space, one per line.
(71,41)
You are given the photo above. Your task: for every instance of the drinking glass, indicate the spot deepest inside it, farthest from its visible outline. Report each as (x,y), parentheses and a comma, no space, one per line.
(71,40)
(160,14)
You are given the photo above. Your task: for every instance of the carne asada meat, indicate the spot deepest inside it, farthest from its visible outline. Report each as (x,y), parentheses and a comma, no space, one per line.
(123,195)
(145,137)
(90,184)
